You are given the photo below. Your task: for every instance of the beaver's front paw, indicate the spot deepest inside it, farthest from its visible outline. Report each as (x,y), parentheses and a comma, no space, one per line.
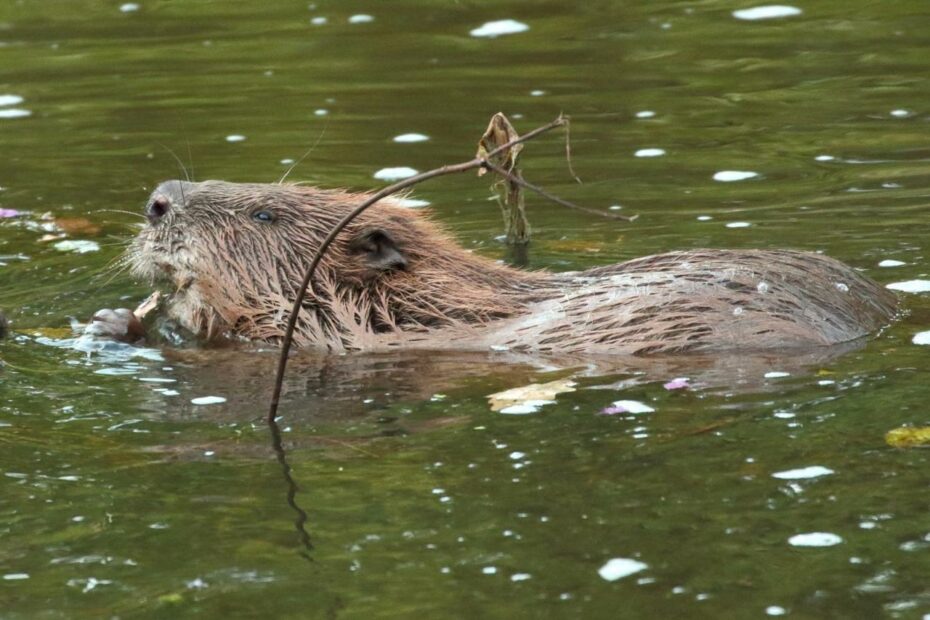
(120,324)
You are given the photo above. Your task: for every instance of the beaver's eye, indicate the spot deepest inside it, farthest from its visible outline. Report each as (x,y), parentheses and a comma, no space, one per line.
(263,216)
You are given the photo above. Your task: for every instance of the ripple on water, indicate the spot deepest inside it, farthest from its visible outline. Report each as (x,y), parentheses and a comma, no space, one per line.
(768,11)
(498,28)
(815,539)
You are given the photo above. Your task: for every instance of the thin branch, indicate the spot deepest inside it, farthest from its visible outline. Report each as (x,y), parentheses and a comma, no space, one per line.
(535,188)
(472,164)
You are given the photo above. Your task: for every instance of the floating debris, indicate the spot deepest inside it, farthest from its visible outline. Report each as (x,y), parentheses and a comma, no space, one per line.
(908,437)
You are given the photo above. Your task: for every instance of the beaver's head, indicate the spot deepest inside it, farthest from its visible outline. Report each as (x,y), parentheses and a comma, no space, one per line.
(234,255)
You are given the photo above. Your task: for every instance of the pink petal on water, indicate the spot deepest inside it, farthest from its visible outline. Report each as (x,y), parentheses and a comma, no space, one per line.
(678,383)
(8,213)
(614,410)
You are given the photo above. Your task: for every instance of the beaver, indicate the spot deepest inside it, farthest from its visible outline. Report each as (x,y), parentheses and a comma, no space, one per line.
(234,255)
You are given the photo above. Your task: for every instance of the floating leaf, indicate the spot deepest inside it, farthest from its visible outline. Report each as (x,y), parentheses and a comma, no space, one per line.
(77,225)
(530,395)
(908,437)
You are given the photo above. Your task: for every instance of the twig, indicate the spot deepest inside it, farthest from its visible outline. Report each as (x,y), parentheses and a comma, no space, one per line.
(472,164)
(535,188)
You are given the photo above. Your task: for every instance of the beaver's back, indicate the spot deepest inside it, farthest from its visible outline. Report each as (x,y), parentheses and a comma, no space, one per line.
(705,300)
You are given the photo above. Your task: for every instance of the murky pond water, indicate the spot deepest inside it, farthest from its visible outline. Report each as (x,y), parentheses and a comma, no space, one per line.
(757,487)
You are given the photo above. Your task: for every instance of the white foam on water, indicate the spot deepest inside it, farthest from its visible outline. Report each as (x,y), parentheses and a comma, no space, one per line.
(921,338)
(81,246)
(652,152)
(15,113)
(704,218)
(618,568)
(729,176)
(208,400)
(768,11)
(900,113)
(825,158)
(645,114)
(803,473)
(633,406)
(890,262)
(395,174)
(738,225)
(407,138)
(911,286)
(815,539)
(235,138)
(361,18)
(776,374)
(318,21)
(499,28)
(129,7)
(10,99)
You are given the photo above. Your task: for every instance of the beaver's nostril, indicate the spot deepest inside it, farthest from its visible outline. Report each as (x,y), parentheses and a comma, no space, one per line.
(158,208)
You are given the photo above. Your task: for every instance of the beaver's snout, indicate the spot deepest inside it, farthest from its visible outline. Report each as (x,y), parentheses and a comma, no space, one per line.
(167,196)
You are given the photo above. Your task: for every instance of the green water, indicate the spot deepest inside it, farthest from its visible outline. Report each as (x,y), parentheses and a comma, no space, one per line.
(410,496)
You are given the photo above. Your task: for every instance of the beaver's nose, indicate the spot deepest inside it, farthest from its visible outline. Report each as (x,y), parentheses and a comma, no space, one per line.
(167,196)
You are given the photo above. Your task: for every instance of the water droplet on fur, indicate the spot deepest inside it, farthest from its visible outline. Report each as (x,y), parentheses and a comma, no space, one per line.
(842,287)
(763,287)
(737,311)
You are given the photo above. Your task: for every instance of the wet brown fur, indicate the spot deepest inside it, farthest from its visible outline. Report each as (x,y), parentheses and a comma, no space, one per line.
(236,276)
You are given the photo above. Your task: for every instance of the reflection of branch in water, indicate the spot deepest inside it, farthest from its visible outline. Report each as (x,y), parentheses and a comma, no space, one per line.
(301,520)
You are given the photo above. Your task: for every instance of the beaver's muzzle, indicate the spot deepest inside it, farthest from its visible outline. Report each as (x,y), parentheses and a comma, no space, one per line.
(167,196)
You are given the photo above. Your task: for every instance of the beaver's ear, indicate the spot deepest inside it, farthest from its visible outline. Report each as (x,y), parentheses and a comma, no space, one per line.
(379,249)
